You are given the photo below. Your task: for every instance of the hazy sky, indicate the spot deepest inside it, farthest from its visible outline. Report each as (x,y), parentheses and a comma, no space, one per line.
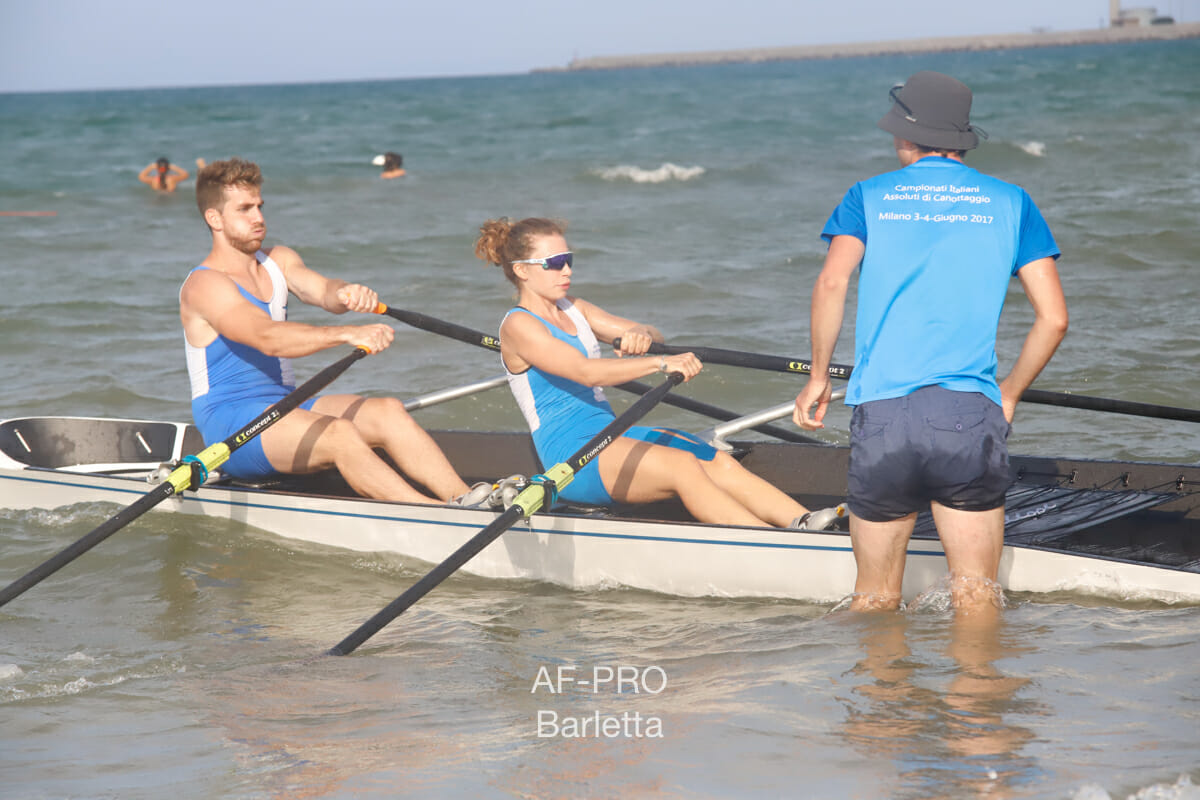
(88,44)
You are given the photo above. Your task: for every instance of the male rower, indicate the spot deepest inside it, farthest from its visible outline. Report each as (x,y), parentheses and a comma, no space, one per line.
(935,244)
(239,344)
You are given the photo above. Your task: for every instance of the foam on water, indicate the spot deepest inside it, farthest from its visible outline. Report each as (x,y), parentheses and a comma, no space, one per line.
(1033,148)
(65,681)
(661,174)
(1182,789)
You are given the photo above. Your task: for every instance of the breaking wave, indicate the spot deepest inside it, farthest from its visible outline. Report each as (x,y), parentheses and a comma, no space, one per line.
(667,172)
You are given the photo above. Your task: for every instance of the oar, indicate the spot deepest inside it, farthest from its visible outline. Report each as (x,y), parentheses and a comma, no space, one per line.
(1090,403)
(435,325)
(526,503)
(795,366)
(716,412)
(715,355)
(191,473)
(737,358)
(449,329)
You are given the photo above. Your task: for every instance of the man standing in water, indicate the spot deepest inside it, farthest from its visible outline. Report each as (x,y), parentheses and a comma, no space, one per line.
(238,341)
(936,244)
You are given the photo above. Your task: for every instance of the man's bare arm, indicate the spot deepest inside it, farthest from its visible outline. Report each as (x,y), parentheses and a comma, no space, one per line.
(211,301)
(828,308)
(1044,290)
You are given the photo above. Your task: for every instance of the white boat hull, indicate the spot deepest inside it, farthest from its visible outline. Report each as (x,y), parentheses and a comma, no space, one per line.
(586,552)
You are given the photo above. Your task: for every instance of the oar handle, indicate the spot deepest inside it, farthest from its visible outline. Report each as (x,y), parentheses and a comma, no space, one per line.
(435,325)
(736,358)
(531,499)
(182,477)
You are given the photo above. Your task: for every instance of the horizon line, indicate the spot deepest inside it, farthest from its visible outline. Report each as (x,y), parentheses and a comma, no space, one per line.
(972,42)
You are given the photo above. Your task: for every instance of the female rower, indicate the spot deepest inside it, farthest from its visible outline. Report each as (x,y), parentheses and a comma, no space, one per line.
(552,359)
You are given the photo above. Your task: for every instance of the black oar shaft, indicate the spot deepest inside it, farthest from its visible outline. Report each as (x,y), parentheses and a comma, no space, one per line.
(716,412)
(527,502)
(451,330)
(293,399)
(180,479)
(1090,403)
(511,516)
(435,325)
(797,366)
(75,550)
(736,358)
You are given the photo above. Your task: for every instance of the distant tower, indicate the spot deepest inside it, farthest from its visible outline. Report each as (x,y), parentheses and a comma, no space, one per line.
(1134,17)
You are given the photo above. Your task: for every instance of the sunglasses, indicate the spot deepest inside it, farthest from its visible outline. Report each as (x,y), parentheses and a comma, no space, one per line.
(555,262)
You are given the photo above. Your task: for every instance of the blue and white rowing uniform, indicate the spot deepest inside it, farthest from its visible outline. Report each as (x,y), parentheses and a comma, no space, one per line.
(564,415)
(233,383)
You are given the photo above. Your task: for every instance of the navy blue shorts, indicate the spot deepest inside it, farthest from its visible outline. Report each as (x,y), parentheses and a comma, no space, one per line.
(931,445)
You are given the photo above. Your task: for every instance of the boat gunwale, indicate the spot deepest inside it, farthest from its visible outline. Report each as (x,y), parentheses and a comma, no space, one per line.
(230,489)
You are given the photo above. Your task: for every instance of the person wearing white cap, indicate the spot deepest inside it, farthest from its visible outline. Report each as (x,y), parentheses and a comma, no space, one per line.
(935,245)
(392,163)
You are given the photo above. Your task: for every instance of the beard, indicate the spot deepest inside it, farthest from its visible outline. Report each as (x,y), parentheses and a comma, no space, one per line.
(249,244)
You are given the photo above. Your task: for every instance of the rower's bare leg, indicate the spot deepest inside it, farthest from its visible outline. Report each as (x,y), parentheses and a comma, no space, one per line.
(760,496)
(383,422)
(879,552)
(305,441)
(974,542)
(638,472)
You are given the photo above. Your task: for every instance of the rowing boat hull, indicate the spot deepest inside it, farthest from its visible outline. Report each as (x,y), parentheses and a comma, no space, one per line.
(589,551)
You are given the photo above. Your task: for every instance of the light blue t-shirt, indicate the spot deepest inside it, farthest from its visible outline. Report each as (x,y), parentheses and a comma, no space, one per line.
(942,242)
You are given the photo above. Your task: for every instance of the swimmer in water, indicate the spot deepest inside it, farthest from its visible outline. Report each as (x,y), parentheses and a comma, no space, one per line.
(393,165)
(162,175)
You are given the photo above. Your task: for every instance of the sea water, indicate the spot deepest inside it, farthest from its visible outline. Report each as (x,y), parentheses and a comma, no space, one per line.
(181,657)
